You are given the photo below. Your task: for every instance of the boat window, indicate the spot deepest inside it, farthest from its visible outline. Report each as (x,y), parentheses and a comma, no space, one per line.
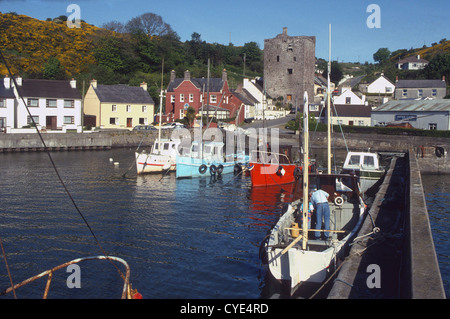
(208,149)
(173,146)
(354,160)
(369,161)
(156,146)
(194,147)
(166,146)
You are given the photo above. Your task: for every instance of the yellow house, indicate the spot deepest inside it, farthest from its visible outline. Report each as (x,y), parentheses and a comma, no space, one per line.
(119,106)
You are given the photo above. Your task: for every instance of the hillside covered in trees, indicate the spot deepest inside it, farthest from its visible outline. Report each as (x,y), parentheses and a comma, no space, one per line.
(116,53)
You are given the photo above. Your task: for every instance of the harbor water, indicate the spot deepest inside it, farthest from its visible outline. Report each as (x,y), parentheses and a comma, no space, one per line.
(189,238)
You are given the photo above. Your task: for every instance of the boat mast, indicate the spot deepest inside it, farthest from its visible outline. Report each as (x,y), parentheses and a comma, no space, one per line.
(161,94)
(305,170)
(328,103)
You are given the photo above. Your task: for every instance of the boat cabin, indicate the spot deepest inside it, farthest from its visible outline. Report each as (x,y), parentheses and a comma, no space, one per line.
(166,147)
(211,150)
(362,160)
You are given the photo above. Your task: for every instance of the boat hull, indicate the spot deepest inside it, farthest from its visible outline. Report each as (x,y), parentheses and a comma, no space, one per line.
(188,167)
(271,174)
(311,265)
(153,163)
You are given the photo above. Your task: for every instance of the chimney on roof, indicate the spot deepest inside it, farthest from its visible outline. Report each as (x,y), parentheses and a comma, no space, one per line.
(7,82)
(224,75)
(144,85)
(172,75)
(187,75)
(94,83)
(396,79)
(443,78)
(285,31)
(418,57)
(73,83)
(19,81)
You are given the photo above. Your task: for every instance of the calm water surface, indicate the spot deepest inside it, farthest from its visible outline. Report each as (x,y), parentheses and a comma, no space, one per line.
(193,238)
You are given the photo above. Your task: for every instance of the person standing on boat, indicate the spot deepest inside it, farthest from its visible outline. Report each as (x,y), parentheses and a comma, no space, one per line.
(319,198)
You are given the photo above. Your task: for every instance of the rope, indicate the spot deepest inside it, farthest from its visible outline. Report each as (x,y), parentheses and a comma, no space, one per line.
(54,165)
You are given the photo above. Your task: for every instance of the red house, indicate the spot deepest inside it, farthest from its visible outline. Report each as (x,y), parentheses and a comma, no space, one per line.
(185,92)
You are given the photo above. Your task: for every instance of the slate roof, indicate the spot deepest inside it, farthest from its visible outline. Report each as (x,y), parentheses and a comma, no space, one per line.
(349,110)
(215,84)
(6,93)
(122,93)
(48,89)
(244,97)
(437,105)
(405,84)
(412,59)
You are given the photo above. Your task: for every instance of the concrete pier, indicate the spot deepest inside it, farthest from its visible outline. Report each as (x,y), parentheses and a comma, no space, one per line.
(393,255)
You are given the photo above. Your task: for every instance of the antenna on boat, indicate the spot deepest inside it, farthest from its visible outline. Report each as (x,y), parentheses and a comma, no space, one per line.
(328,102)
(305,169)
(160,107)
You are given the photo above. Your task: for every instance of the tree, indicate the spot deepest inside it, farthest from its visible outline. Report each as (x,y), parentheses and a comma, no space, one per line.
(438,66)
(382,55)
(336,72)
(53,70)
(150,24)
(190,114)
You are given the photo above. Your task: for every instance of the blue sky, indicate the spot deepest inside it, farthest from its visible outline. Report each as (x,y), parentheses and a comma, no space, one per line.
(404,23)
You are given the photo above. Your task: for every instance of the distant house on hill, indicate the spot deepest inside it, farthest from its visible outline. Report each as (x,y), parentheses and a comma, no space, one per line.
(381,85)
(419,89)
(411,63)
(119,106)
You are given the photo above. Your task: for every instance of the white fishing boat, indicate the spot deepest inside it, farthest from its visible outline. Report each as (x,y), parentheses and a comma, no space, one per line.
(366,165)
(163,155)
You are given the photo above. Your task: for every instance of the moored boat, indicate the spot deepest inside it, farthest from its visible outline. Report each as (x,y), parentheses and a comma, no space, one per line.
(162,157)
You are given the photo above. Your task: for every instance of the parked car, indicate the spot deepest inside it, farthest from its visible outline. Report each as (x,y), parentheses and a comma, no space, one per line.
(172,125)
(143,128)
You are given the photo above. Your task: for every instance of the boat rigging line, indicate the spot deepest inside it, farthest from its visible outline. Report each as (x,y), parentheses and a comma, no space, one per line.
(46,149)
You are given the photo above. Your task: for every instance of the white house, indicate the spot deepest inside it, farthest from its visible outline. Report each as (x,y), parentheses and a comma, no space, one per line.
(54,105)
(350,98)
(7,103)
(382,85)
(412,63)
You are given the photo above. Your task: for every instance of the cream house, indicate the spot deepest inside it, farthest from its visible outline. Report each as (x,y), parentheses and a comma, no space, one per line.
(119,106)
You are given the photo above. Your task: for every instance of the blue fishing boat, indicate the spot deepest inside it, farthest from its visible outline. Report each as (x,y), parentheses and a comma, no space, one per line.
(206,159)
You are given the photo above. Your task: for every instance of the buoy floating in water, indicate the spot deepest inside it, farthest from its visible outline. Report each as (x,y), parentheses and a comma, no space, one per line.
(116,163)
(110,159)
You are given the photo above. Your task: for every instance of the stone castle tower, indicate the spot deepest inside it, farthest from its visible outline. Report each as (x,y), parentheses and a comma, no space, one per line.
(289,63)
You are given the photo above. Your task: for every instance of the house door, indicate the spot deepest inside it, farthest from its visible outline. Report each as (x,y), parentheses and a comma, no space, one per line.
(129,122)
(51,123)
(2,124)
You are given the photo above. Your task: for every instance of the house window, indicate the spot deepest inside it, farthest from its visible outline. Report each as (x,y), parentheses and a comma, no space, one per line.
(434,92)
(404,93)
(181,114)
(388,89)
(191,98)
(181,97)
(69,103)
(278,58)
(432,126)
(172,98)
(2,103)
(33,102)
(142,120)
(50,103)
(213,99)
(30,120)
(348,100)
(114,108)
(289,71)
(69,119)
(295,59)
(114,120)
(128,108)
(419,92)
(361,123)
(144,108)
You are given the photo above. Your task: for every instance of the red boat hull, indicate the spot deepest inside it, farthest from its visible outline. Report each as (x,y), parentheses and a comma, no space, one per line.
(271,174)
